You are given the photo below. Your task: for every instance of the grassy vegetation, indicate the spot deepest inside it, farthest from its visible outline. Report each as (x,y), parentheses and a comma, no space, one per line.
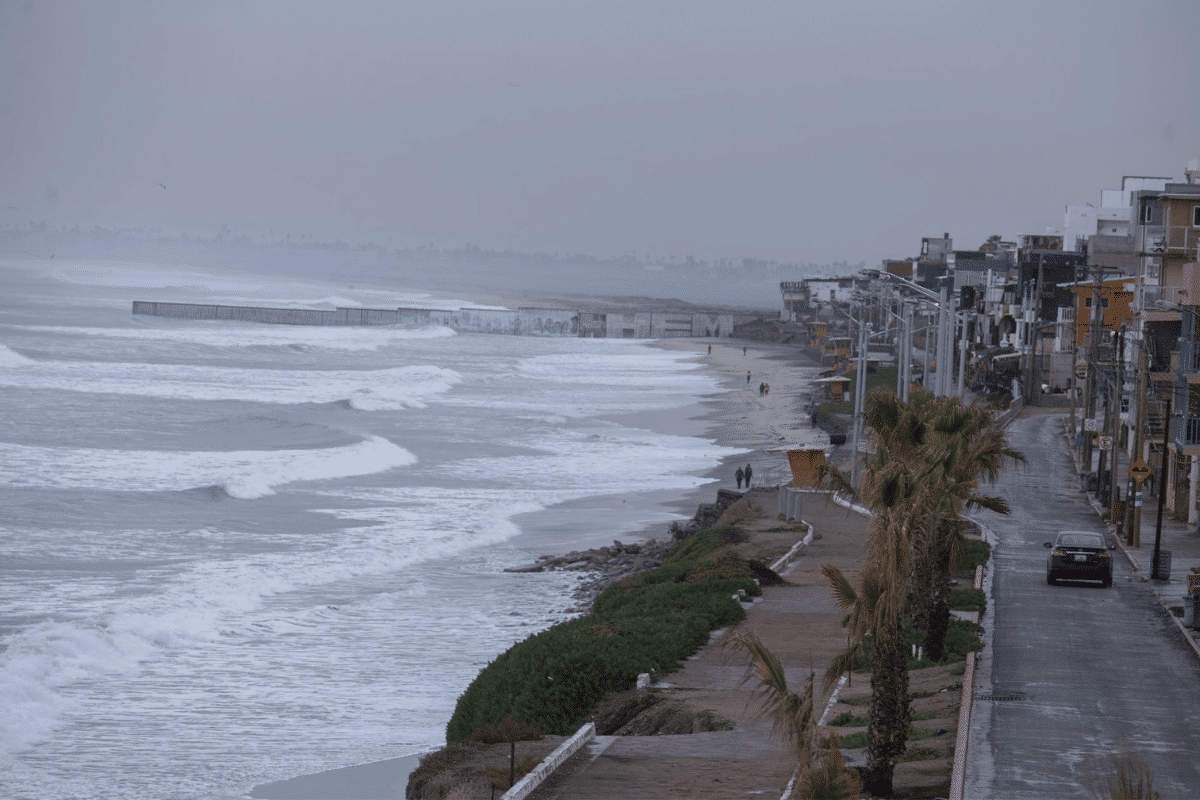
(856,740)
(847,719)
(973,553)
(968,600)
(646,623)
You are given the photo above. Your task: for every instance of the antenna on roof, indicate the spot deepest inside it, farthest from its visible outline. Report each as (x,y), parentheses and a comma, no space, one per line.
(1193,170)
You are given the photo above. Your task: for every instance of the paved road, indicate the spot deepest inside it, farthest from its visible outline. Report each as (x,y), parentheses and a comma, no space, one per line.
(1092,669)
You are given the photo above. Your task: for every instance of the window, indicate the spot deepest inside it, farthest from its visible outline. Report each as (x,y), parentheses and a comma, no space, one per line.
(1196,216)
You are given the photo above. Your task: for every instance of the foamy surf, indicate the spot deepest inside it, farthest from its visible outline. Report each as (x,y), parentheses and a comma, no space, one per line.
(10,359)
(367,390)
(240,334)
(243,474)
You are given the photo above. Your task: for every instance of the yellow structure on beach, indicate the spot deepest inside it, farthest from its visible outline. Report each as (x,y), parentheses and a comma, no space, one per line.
(806,465)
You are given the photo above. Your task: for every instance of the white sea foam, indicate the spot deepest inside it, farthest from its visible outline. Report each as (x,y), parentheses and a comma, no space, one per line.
(239,334)
(8,358)
(244,474)
(221,604)
(366,390)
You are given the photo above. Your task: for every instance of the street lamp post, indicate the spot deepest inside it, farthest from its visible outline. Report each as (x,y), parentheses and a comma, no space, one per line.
(860,398)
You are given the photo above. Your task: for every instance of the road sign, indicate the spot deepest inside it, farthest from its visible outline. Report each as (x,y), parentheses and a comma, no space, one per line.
(1139,470)
(1106,443)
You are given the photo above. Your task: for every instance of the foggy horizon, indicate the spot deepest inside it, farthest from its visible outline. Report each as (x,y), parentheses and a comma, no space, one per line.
(613,130)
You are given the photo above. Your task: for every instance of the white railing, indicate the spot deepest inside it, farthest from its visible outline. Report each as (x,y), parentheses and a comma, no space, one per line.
(522,788)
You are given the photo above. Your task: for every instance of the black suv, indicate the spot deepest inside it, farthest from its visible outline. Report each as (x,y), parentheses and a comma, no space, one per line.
(1079,555)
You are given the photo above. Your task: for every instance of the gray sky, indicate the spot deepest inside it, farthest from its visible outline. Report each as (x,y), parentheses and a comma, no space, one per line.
(786,131)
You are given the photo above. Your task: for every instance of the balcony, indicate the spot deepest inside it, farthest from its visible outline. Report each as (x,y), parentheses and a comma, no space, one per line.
(1188,361)
(1158,298)
(1163,240)
(1190,429)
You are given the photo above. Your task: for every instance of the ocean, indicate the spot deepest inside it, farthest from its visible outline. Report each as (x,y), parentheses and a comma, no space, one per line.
(234,553)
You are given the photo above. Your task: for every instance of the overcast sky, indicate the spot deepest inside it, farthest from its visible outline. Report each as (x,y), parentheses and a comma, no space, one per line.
(788,131)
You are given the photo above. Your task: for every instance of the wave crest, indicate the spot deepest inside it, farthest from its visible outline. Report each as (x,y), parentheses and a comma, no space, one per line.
(243,474)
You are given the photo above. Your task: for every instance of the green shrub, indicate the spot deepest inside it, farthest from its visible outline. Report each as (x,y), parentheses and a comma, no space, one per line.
(648,622)
(853,741)
(967,600)
(962,637)
(847,720)
(973,553)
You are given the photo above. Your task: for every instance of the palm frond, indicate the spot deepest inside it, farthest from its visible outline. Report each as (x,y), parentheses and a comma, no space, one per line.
(843,591)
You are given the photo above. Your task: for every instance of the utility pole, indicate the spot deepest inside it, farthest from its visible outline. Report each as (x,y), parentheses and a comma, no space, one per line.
(860,396)
(1134,535)
(1071,382)
(1089,389)
(945,336)
(908,347)
(1034,384)
(1102,463)
(962,357)
(1116,426)
(926,370)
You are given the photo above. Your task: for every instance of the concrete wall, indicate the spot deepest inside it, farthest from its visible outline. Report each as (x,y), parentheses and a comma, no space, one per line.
(522,322)
(276,316)
(628,325)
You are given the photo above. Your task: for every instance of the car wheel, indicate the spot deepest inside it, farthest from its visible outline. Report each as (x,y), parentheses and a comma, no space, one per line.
(1050,579)
(1107,581)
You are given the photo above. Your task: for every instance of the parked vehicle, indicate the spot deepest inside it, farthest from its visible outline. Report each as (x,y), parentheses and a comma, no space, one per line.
(1079,555)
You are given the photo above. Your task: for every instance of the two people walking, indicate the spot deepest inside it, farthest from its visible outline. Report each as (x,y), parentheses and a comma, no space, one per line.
(743,475)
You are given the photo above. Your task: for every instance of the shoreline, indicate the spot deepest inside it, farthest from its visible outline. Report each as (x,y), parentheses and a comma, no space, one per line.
(737,416)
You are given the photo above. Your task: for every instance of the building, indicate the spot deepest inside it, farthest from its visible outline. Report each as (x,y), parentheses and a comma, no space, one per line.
(807,295)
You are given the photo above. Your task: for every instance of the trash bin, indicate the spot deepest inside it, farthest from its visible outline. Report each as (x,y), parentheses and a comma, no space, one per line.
(1195,597)
(1162,570)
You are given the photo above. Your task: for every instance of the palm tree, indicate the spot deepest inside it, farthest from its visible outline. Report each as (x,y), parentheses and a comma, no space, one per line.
(950,446)
(898,498)
(965,446)
(929,454)
(792,717)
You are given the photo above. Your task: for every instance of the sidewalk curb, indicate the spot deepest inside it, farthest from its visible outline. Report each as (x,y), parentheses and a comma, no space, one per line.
(1187,635)
(958,773)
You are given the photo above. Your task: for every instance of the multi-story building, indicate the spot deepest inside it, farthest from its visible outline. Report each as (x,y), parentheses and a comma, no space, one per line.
(1167,241)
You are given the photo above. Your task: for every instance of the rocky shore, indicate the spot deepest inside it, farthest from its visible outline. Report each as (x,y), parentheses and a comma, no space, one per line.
(607,565)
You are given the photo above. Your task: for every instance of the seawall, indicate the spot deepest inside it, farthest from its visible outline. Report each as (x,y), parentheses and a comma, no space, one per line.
(519,322)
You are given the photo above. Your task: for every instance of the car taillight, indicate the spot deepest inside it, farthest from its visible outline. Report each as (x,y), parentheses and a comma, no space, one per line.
(1102,554)
(1059,553)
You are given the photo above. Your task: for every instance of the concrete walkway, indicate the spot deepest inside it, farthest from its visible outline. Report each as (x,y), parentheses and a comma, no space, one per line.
(799,623)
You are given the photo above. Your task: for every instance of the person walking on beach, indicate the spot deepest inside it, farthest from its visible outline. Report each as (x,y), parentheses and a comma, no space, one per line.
(743,351)
(748,473)
(739,475)
(710,349)
(747,377)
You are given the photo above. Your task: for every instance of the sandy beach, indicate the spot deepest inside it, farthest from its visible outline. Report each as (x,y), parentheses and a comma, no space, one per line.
(765,425)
